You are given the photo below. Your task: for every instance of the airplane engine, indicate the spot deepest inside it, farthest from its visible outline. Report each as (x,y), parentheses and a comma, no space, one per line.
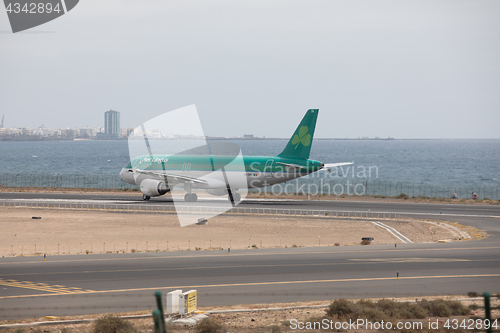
(153,187)
(219,191)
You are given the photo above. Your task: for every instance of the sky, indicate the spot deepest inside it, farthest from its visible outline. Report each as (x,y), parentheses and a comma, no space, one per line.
(405,69)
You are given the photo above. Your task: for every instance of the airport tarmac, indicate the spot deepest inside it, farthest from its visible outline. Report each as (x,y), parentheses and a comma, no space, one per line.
(69,285)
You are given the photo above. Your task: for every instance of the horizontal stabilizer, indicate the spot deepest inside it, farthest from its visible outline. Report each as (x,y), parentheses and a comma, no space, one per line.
(330,166)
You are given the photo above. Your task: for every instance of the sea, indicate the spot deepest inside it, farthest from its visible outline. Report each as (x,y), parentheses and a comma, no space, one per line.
(443,162)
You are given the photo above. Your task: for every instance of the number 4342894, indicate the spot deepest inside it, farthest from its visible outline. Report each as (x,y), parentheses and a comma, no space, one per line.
(471,324)
(33,8)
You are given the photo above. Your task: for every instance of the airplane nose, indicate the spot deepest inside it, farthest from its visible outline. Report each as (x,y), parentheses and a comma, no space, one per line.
(122,174)
(127,176)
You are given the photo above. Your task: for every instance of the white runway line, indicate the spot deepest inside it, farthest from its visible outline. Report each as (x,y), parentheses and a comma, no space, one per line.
(393,231)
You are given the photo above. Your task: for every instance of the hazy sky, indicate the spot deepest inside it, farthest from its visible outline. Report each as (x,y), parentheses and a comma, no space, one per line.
(406,69)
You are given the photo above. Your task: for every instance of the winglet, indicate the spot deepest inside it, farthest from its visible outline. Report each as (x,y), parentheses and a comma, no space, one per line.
(301,141)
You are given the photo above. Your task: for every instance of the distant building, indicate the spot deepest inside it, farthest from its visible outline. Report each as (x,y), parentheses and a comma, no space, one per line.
(112,128)
(248,136)
(112,123)
(68,133)
(86,133)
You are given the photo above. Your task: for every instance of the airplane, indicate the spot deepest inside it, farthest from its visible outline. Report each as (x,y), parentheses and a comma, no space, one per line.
(156,175)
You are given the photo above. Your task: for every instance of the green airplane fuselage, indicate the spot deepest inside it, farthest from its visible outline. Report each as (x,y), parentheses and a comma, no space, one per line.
(259,170)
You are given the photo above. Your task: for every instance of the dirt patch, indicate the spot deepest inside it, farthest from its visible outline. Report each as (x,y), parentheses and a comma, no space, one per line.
(65,231)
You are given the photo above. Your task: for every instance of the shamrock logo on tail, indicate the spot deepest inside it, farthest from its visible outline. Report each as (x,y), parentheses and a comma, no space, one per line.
(302,137)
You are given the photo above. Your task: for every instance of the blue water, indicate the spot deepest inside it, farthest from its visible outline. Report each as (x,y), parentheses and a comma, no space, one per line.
(436,162)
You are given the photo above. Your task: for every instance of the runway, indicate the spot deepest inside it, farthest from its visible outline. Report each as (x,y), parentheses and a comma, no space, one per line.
(135,202)
(82,284)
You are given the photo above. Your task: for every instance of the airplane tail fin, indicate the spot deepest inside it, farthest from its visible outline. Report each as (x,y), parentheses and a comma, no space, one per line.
(301,140)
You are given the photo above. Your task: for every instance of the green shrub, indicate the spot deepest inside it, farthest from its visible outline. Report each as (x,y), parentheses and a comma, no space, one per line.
(112,324)
(436,308)
(388,310)
(458,309)
(370,313)
(389,307)
(209,325)
(340,308)
(402,196)
(411,311)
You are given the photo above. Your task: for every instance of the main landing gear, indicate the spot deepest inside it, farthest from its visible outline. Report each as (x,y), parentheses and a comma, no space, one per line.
(145,197)
(236,197)
(190,197)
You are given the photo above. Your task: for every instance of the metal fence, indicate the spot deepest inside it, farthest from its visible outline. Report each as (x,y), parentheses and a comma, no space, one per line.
(304,186)
(64,181)
(349,187)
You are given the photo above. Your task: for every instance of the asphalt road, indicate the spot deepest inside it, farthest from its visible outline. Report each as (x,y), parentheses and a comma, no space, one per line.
(82,284)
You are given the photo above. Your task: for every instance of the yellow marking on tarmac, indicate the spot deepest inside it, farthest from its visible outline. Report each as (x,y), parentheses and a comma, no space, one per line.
(255,254)
(263,284)
(56,289)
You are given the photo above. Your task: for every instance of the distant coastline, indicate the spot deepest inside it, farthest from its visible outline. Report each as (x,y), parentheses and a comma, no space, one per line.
(210,138)
(39,138)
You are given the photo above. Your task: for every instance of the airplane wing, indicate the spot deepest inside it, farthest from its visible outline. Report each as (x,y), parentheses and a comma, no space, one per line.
(177,178)
(329,166)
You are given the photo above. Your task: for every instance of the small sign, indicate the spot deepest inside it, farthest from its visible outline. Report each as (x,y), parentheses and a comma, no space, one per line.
(188,302)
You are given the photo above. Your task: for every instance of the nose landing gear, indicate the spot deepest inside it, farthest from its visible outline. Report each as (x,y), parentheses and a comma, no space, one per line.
(145,197)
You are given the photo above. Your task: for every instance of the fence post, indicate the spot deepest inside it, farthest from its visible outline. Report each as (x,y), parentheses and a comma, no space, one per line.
(157,319)
(487,309)
(160,310)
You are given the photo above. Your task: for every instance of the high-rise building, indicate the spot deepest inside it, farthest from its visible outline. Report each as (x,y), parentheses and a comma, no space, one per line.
(112,124)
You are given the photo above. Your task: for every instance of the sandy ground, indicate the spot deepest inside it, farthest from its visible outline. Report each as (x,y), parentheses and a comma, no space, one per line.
(64,231)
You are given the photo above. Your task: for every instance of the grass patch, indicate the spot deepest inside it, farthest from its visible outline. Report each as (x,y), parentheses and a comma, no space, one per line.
(112,324)
(209,325)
